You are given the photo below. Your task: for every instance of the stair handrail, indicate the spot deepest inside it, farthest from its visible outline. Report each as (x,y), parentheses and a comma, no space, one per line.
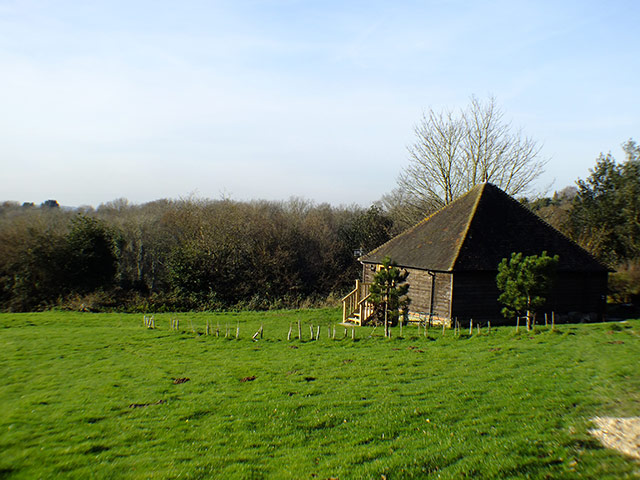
(352,301)
(349,294)
(365,308)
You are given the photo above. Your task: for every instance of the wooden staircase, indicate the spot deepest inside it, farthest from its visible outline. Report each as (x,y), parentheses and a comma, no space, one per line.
(356,307)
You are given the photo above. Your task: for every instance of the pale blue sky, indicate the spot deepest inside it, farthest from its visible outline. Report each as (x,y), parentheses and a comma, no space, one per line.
(273,99)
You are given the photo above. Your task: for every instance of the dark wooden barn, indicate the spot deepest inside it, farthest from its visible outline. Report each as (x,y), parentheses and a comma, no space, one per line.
(452,258)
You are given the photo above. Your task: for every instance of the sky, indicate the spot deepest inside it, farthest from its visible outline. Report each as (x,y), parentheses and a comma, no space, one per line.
(143,100)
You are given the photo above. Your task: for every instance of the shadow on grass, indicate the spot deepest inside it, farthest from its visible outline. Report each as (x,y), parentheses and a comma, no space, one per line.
(7,472)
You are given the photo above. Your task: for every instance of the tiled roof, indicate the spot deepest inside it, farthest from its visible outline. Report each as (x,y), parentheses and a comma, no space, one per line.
(478,230)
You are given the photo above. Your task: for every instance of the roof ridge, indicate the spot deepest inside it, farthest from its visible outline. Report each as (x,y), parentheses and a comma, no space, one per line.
(404,232)
(566,237)
(426,219)
(533,214)
(466,230)
(470,233)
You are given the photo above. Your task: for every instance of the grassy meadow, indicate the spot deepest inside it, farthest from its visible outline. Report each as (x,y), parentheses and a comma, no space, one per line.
(100,396)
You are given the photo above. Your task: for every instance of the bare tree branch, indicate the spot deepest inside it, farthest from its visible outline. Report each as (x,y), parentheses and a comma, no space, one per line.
(453,153)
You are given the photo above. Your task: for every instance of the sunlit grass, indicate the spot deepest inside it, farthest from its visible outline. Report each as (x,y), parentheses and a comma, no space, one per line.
(486,406)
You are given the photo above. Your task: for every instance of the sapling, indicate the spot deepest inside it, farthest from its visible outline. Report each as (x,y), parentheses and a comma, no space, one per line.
(388,293)
(525,282)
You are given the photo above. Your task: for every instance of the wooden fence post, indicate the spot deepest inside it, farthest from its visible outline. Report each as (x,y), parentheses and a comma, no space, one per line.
(257,334)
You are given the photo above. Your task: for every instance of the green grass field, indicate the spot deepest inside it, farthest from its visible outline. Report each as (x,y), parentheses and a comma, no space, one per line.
(93,396)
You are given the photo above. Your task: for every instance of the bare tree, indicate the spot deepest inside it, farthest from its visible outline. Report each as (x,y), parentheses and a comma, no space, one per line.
(453,153)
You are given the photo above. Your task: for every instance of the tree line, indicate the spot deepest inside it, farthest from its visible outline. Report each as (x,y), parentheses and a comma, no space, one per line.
(219,254)
(182,254)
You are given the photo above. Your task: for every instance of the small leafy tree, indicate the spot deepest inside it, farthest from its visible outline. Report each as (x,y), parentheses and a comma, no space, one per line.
(525,283)
(389,293)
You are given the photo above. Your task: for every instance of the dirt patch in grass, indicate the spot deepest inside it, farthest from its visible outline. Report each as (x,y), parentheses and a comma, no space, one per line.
(621,434)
